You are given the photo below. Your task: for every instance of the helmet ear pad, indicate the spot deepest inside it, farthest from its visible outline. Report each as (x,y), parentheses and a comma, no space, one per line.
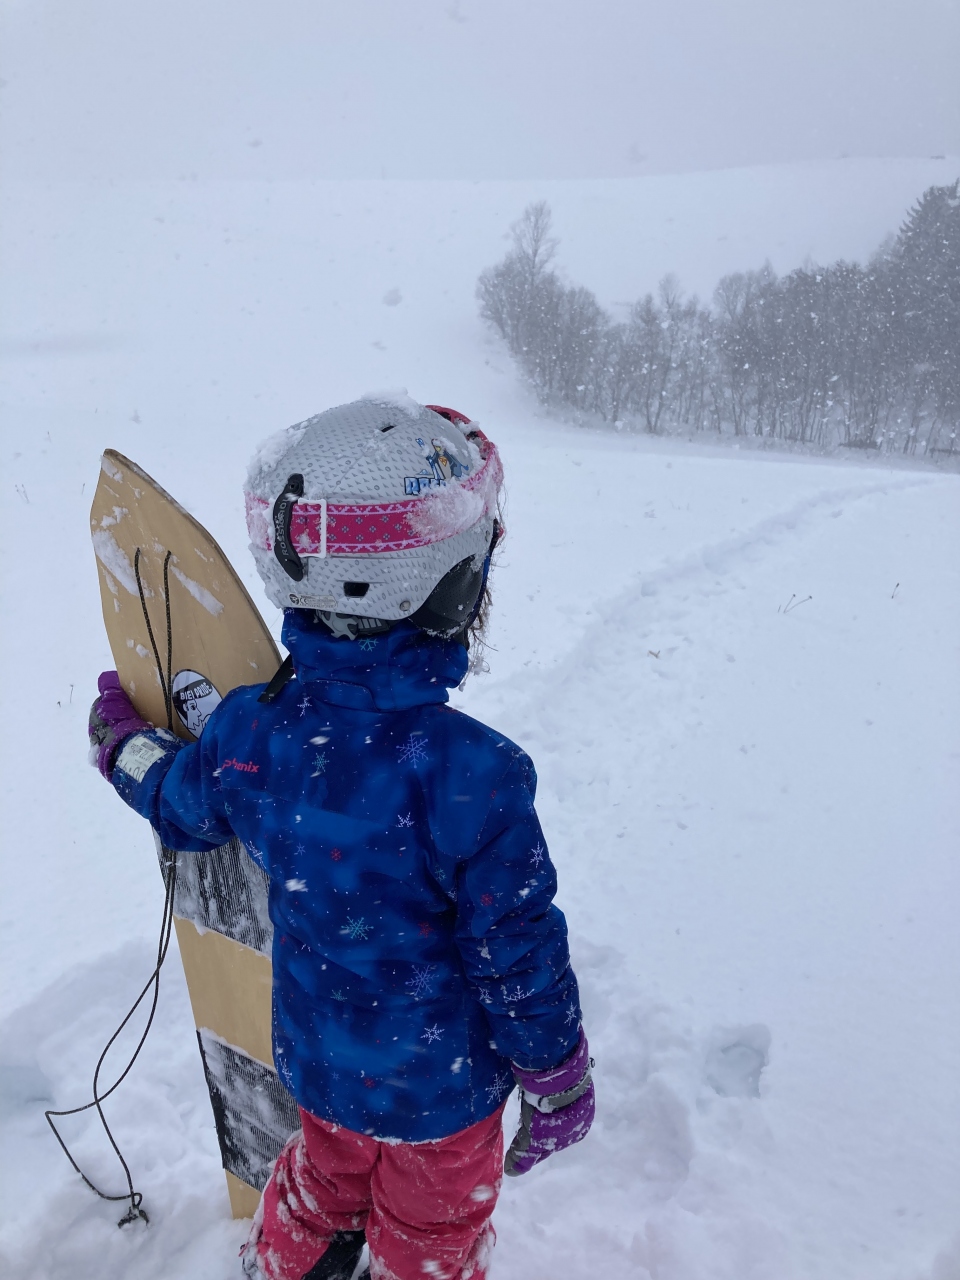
(449,608)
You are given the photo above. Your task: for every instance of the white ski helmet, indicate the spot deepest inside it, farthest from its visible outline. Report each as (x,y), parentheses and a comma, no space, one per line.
(377,511)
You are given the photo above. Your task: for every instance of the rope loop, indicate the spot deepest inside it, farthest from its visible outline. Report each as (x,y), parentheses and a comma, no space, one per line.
(136,1212)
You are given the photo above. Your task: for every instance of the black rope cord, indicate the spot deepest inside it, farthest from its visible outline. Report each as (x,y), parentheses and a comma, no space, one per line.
(165,683)
(135,1197)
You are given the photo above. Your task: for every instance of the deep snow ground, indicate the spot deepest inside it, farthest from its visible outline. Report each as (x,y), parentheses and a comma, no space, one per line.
(754,812)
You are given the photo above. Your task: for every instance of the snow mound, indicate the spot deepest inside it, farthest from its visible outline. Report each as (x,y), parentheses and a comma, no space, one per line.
(396,398)
(269,452)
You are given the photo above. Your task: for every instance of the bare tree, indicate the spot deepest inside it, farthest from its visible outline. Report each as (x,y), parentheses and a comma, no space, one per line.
(865,357)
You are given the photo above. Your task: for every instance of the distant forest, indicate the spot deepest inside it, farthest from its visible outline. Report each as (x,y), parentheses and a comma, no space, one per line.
(865,357)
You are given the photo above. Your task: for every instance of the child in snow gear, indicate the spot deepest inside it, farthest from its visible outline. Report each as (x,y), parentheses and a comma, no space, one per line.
(420,969)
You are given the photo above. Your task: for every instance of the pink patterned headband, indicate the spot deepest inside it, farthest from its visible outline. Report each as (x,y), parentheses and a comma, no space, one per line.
(323,528)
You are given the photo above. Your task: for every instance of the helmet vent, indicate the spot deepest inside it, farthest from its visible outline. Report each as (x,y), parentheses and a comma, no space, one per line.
(355,590)
(391,426)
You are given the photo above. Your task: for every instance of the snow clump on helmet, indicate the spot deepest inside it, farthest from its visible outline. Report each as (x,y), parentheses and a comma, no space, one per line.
(377,511)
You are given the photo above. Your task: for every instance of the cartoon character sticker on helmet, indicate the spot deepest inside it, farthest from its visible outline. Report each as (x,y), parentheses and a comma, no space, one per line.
(443,462)
(195,700)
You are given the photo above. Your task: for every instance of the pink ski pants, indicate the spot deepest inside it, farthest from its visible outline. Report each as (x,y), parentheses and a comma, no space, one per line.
(425,1206)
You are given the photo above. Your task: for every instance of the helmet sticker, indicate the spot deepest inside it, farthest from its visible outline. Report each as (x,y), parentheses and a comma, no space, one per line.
(443,464)
(195,699)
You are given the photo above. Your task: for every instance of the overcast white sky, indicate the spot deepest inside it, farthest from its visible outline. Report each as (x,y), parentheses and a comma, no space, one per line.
(469,88)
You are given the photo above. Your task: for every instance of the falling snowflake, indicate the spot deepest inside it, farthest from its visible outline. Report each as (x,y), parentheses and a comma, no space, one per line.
(319,764)
(499,1088)
(303,705)
(357,928)
(405,820)
(431,1034)
(227,808)
(338,995)
(414,749)
(571,1014)
(485,997)
(421,982)
(296,886)
(536,855)
(257,855)
(301,848)
(286,1073)
(367,644)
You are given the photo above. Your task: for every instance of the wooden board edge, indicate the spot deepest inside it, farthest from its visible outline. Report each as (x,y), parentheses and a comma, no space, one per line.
(115,454)
(244,1199)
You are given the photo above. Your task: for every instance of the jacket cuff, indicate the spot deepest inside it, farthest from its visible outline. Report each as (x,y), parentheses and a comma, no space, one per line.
(140,765)
(558,1079)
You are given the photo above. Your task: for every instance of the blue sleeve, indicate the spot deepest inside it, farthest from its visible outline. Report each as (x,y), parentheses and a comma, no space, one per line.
(512,939)
(175,786)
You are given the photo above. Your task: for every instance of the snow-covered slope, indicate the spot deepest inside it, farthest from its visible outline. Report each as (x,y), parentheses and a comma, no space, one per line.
(750,805)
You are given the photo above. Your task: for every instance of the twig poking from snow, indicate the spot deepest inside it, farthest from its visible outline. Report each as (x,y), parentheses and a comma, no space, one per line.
(789,607)
(895,590)
(22,492)
(652,654)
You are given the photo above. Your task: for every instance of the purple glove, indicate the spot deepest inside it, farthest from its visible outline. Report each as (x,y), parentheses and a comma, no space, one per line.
(556,1110)
(112,719)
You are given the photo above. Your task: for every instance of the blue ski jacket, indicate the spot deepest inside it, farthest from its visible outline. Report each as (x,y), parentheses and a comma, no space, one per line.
(416,951)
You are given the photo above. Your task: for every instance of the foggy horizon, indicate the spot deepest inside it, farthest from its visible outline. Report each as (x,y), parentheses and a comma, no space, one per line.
(455,89)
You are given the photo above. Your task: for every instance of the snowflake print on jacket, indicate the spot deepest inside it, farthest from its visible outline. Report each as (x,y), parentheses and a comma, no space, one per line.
(499,1087)
(414,750)
(419,939)
(419,985)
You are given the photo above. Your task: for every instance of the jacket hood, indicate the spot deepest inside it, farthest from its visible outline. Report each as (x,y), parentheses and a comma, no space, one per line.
(393,672)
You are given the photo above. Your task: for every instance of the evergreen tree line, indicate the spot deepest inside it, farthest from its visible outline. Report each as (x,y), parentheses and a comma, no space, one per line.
(862,356)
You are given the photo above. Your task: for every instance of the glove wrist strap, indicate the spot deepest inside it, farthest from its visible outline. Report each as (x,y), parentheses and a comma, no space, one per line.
(549,1102)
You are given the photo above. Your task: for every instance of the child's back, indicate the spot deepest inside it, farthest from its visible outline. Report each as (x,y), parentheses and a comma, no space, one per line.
(420,968)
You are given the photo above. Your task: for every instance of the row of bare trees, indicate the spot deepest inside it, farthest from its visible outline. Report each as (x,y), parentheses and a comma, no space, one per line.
(862,356)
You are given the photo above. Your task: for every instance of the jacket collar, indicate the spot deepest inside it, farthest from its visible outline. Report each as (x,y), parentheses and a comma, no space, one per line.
(404,668)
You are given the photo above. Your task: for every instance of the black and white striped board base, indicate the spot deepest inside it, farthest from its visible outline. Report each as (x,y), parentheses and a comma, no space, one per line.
(220,913)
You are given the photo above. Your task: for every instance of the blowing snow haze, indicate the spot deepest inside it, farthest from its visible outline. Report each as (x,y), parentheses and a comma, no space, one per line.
(462,89)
